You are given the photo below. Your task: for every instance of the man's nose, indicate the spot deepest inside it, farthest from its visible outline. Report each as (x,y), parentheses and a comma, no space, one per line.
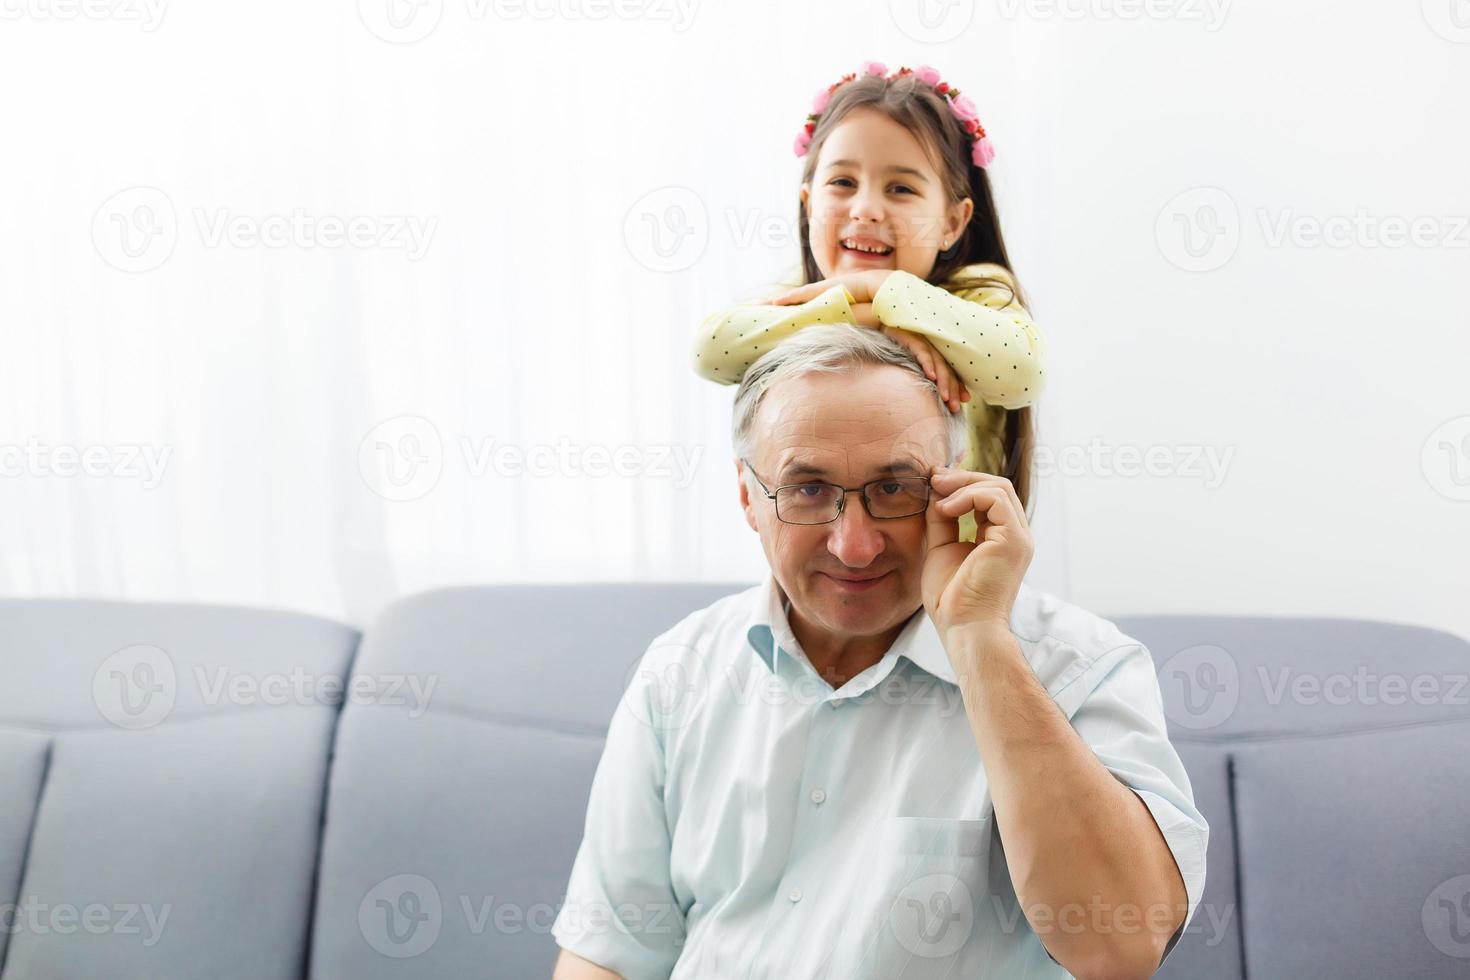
(855,539)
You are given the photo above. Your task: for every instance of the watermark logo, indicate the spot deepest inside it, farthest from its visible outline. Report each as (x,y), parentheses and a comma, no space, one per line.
(667,687)
(1362,687)
(1208,465)
(408,21)
(145,463)
(407,233)
(1446,459)
(1450,19)
(401,916)
(136,229)
(401,459)
(1210,13)
(931,21)
(1199,229)
(136,686)
(31,915)
(1446,917)
(667,230)
(1362,229)
(1205,683)
(400,21)
(933,916)
(147,14)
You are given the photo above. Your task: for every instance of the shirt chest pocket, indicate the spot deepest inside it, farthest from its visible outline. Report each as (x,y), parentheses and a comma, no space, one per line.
(921,890)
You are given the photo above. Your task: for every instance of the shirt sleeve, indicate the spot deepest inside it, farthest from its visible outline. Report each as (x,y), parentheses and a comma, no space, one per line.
(1122,720)
(984,333)
(731,340)
(621,911)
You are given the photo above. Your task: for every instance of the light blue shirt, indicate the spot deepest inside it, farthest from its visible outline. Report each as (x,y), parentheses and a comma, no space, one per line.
(748,821)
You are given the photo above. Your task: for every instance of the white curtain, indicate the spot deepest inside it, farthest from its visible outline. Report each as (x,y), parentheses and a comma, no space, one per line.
(296,314)
(300,308)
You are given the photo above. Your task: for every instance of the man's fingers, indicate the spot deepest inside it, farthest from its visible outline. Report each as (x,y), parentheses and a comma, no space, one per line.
(953,484)
(989,503)
(939,528)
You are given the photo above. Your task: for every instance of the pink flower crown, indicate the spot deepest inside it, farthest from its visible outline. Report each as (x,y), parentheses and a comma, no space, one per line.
(982,151)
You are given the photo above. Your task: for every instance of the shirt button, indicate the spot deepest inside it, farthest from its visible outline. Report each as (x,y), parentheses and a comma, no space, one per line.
(818,796)
(795,895)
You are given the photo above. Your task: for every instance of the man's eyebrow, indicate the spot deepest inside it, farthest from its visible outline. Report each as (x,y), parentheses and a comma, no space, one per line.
(893,170)
(798,469)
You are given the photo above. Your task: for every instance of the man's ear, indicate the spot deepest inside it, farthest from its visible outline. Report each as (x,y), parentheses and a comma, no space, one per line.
(745,503)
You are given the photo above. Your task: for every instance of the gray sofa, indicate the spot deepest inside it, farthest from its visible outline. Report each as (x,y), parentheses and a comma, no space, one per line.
(184,793)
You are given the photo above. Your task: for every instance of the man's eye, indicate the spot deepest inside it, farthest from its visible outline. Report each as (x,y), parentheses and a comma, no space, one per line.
(891,488)
(817,489)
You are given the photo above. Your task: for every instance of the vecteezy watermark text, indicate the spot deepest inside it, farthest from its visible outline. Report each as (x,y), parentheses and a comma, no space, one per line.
(33,458)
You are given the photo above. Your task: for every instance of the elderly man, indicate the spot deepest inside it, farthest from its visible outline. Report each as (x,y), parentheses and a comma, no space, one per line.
(892,759)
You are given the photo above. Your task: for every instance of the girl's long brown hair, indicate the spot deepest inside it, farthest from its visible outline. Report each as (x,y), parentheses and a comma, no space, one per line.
(915,106)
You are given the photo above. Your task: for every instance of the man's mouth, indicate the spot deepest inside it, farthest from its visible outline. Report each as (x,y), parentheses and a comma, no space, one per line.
(856,583)
(866,246)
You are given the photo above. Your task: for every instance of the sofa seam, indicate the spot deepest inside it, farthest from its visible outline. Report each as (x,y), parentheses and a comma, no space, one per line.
(1225,740)
(1230,786)
(328,770)
(25,857)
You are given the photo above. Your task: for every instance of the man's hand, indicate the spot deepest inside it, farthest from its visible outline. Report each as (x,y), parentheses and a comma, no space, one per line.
(973,584)
(862,285)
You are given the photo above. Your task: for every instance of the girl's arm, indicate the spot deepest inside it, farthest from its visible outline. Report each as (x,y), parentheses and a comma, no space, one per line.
(731,340)
(985,335)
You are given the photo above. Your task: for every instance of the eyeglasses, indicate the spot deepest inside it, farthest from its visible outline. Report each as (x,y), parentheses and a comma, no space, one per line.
(886,499)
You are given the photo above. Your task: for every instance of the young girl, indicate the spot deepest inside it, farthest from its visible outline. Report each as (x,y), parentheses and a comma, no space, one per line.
(899,232)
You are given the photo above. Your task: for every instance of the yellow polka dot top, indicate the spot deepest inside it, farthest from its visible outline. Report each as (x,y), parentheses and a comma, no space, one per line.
(984,334)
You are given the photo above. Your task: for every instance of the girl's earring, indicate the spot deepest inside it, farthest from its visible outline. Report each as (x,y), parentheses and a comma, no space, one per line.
(948,251)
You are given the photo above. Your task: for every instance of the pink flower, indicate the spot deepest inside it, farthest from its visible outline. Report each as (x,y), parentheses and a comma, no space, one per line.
(802,142)
(927,75)
(819,103)
(875,68)
(982,153)
(963,107)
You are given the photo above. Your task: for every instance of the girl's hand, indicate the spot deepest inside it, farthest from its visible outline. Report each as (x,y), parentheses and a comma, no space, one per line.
(863,286)
(936,368)
(863,315)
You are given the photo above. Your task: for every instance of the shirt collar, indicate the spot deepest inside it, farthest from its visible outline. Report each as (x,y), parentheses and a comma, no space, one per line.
(770,635)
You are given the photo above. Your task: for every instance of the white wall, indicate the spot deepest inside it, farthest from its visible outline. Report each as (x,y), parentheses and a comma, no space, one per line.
(530,151)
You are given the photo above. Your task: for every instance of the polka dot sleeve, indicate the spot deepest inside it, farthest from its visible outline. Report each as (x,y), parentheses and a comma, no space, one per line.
(986,336)
(731,340)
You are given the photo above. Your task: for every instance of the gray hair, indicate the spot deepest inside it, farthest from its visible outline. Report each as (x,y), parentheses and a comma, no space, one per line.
(834,349)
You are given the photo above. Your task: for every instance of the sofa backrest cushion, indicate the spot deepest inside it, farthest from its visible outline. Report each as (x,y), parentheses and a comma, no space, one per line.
(162,778)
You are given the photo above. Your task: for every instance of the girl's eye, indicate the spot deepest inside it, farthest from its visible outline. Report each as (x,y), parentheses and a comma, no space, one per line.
(847,182)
